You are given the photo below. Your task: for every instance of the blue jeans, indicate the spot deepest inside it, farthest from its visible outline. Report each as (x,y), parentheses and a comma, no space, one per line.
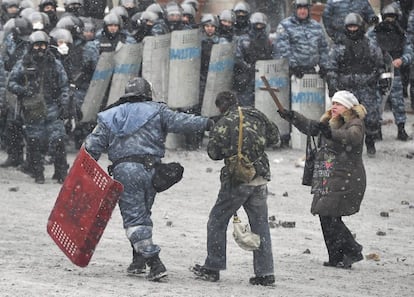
(230,199)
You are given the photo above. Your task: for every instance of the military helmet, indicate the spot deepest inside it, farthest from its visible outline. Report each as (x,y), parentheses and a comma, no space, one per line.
(188,9)
(209,18)
(112,19)
(242,6)
(227,15)
(27,4)
(44,3)
(258,18)
(138,87)
(39,36)
(158,9)
(149,16)
(70,2)
(193,3)
(354,19)
(71,23)
(61,34)
(390,10)
(22,27)
(299,3)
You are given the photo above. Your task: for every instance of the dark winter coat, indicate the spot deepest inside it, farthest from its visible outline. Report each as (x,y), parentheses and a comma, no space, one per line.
(339,179)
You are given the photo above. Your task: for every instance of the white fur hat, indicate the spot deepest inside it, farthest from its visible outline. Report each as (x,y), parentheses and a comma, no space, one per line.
(345,98)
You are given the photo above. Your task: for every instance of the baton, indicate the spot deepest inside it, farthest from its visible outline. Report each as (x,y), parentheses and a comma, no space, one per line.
(272,93)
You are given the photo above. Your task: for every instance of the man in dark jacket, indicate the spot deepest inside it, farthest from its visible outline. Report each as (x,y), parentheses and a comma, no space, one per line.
(258,132)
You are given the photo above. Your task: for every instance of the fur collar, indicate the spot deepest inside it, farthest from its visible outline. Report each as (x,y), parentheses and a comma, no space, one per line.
(358,111)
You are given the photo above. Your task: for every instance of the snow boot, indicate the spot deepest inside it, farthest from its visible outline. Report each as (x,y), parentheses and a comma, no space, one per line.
(267,280)
(13,160)
(205,274)
(138,264)
(370,143)
(60,162)
(402,135)
(157,269)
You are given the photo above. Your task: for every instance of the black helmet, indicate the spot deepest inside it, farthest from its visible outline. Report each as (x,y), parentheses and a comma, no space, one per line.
(138,87)
(354,19)
(22,28)
(61,34)
(38,36)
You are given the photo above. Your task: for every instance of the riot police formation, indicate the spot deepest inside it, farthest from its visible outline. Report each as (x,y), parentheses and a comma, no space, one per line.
(42,89)
(356,66)
(302,42)
(393,40)
(149,18)
(250,47)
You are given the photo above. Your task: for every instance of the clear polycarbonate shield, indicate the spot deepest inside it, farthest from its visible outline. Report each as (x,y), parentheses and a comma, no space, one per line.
(219,77)
(155,64)
(308,98)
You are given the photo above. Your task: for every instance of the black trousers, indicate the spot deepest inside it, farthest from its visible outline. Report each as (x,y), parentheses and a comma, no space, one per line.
(338,239)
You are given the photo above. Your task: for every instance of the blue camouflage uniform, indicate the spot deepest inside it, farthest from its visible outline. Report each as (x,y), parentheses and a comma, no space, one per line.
(410,36)
(43,87)
(335,12)
(356,66)
(138,129)
(302,42)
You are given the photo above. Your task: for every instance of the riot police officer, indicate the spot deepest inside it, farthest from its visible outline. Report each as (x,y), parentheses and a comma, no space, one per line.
(356,66)
(42,87)
(250,48)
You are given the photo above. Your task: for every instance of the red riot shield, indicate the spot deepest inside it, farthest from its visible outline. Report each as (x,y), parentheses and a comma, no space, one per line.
(83,208)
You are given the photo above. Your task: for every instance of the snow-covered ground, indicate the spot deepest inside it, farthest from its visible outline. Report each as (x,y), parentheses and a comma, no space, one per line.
(32,265)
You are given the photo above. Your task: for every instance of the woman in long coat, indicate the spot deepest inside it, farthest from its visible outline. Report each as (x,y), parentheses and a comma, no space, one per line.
(339,179)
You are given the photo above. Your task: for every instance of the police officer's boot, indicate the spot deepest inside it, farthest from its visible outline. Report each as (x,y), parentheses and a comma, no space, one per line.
(14,158)
(138,264)
(402,135)
(370,143)
(34,146)
(60,162)
(157,269)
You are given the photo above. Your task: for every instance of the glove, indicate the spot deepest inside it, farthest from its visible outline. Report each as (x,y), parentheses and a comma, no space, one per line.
(325,130)
(373,21)
(322,72)
(298,71)
(286,114)
(210,125)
